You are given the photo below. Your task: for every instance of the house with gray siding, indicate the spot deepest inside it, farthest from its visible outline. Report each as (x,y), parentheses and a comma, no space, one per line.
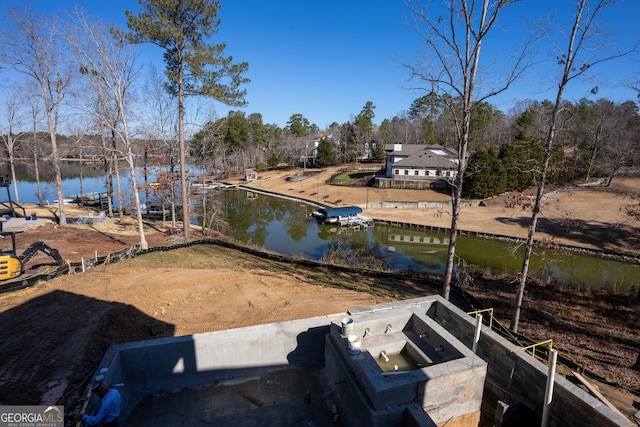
(418,164)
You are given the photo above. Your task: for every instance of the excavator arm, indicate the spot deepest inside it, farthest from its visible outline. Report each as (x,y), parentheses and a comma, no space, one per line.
(12,265)
(40,246)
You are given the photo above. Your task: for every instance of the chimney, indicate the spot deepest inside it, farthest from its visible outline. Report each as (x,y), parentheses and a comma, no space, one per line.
(397,147)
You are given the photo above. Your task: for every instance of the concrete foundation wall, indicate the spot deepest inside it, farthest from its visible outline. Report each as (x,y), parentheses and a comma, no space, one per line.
(515,373)
(447,387)
(446,398)
(172,364)
(416,205)
(355,409)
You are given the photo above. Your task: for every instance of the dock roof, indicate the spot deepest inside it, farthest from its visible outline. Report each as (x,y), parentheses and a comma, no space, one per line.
(342,211)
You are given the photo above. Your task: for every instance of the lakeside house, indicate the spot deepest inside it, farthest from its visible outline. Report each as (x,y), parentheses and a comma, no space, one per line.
(418,166)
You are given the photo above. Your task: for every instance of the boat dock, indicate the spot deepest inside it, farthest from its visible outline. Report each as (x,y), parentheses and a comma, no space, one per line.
(357,221)
(90,199)
(347,216)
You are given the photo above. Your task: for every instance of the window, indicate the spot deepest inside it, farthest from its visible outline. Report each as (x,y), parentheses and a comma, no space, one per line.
(397,172)
(416,173)
(406,172)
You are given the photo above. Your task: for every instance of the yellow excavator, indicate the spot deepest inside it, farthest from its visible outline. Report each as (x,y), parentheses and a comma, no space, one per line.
(12,265)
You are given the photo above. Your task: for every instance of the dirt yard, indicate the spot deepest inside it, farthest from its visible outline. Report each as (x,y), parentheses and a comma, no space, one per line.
(54,334)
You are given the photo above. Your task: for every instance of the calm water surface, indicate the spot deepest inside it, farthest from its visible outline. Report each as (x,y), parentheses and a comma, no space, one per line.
(285,227)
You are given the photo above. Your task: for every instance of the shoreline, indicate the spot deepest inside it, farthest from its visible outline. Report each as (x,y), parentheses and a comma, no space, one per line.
(619,255)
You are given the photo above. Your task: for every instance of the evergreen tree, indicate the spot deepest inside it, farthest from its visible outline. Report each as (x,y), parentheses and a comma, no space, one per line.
(193,67)
(298,125)
(238,131)
(485,175)
(325,155)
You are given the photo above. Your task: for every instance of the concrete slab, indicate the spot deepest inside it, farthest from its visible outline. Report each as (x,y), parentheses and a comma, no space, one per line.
(21,224)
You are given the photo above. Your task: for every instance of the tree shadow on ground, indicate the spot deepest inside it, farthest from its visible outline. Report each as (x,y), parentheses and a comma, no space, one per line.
(51,344)
(602,235)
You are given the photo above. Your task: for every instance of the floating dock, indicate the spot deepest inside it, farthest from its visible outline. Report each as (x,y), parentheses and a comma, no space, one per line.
(90,199)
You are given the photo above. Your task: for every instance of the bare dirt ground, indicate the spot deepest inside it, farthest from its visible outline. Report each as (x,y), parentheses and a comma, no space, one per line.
(54,334)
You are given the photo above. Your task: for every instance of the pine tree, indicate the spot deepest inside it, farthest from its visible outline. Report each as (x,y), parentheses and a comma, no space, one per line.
(325,155)
(193,66)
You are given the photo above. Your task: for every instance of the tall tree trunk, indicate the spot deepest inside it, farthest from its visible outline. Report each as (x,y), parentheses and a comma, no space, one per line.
(81,176)
(108,172)
(172,168)
(36,170)
(186,216)
(12,166)
(146,178)
(555,114)
(108,181)
(116,173)
(62,217)
(136,196)
(456,203)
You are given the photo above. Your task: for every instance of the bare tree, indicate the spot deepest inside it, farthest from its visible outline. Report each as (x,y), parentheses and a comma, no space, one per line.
(31,45)
(583,39)
(452,71)
(596,126)
(13,102)
(161,130)
(109,68)
(34,116)
(622,148)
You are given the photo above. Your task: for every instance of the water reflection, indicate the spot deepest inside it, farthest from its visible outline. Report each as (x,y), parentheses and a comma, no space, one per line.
(286,227)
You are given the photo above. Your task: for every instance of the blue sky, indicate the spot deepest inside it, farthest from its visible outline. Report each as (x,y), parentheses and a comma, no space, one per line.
(326,59)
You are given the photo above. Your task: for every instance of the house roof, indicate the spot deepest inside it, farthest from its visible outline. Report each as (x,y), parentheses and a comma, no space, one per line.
(427,156)
(405,149)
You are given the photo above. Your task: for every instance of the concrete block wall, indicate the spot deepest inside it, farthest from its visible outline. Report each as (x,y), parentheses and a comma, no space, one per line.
(172,364)
(515,373)
(445,398)
(355,409)
(447,391)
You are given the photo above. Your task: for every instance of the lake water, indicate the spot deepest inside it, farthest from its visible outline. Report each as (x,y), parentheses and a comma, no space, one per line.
(285,227)
(92,181)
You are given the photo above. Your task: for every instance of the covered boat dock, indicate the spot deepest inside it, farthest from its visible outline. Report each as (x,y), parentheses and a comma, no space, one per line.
(346,216)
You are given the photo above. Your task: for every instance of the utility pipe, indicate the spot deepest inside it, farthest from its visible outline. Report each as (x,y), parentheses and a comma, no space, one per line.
(476,337)
(548,394)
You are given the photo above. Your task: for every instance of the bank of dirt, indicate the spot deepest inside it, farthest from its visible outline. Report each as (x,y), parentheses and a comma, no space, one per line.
(55,333)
